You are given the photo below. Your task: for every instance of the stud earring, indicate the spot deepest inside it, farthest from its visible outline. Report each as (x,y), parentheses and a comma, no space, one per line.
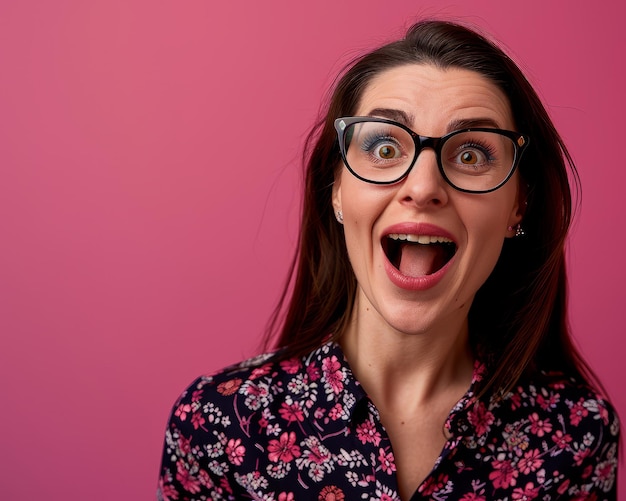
(339,216)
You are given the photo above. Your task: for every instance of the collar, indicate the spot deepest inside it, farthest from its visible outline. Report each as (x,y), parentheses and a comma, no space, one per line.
(342,401)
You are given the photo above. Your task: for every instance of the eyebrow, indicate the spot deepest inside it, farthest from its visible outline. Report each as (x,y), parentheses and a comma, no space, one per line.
(392,114)
(467,123)
(407,119)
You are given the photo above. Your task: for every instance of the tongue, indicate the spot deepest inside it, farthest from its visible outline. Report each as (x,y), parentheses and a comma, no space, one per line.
(417,260)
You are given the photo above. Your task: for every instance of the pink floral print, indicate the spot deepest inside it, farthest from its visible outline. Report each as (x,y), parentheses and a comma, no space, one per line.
(304,429)
(284,449)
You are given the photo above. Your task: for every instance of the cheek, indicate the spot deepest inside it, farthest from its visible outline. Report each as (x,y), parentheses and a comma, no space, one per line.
(492,212)
(486,236)
(491,226)
(362,206)
(486,225)
(362,202)
(357,228)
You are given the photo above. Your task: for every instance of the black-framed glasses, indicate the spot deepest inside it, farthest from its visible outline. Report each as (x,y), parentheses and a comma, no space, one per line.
(474,160)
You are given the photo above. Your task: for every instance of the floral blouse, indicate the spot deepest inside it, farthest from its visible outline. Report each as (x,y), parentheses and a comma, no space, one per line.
(304,429)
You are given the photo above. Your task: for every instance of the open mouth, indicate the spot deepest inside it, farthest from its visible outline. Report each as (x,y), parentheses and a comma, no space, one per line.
(418,255)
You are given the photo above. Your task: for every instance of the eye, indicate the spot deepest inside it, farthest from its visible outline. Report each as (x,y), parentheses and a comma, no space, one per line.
(472,157)
(381,147)
(375,147)
(473,152)
(386,152)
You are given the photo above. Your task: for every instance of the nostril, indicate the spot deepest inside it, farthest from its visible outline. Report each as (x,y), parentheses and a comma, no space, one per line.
(436,201)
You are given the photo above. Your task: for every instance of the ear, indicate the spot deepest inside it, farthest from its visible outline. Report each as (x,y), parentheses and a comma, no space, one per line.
(336,200)
(519,208)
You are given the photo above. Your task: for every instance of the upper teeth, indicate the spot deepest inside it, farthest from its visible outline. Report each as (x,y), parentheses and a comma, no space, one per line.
(420,239)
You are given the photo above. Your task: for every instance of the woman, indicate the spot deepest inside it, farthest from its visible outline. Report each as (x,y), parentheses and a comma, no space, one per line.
(424,351)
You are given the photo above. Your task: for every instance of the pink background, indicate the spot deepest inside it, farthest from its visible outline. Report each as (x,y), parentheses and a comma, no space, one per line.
(148,201)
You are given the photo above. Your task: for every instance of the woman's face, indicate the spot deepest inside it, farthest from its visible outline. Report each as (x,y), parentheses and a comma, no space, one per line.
(415,287)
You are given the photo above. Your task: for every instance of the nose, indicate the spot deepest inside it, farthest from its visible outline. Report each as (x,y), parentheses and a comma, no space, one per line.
(424,186)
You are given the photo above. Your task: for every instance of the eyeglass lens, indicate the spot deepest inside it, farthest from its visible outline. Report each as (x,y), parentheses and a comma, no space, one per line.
(470,160)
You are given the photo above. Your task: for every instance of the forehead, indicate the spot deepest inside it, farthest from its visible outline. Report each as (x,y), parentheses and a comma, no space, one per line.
(433,98)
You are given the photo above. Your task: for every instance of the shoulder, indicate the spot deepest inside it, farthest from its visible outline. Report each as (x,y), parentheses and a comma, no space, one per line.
(227,381)
(210,397)
(202,427)
(239,427)
(574,405)
(558,432)
(264,380)
(261,396)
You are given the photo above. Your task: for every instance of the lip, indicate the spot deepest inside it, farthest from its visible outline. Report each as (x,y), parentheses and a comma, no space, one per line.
(416,283)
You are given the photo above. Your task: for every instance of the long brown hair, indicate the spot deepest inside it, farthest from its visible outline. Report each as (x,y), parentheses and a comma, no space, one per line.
(518,320)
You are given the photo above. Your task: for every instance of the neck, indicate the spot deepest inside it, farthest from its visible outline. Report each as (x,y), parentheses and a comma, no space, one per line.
(399,369)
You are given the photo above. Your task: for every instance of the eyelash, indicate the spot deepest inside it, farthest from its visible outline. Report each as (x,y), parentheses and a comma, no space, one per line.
(373,138)
(478,145)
